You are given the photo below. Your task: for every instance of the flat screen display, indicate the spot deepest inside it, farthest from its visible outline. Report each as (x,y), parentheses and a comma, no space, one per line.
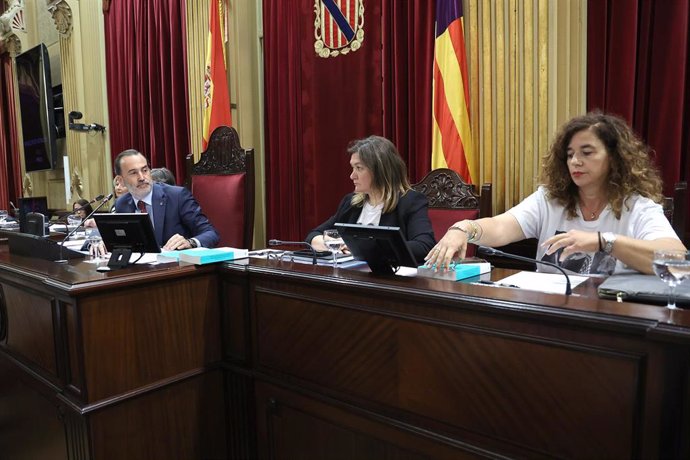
(383,248)
(36,109)
(132,231)
(32,204)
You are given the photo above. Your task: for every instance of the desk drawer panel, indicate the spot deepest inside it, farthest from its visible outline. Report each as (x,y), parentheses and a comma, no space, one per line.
(541,395)
(30,332)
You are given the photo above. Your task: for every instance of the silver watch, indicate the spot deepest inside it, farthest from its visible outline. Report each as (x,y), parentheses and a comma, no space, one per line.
(609,238)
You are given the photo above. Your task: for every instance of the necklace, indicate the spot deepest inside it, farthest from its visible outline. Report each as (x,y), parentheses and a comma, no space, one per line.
(588,214)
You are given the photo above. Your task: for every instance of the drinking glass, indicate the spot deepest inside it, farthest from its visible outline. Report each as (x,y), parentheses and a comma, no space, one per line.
(73,221)
(3,215)
(333,242)
(672,267)
(94,241)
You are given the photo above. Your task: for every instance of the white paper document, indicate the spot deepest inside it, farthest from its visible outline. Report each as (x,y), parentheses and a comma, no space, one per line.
(553,283)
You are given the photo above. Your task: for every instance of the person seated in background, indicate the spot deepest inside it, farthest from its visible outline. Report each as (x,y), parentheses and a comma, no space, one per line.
(382,196)
(119,189)
(82,208)
(177,218)
(163,175)
(596,212)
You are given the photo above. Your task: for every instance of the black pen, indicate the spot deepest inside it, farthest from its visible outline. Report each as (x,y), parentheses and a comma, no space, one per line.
(493,283)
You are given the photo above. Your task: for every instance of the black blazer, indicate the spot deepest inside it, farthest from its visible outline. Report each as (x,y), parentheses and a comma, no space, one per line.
(411,215)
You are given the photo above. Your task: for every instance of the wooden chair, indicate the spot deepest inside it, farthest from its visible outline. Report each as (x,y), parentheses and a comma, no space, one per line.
(222,181)
(675,209)
(452,200)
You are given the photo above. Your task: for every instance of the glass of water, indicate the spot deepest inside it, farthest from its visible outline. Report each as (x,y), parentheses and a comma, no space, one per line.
(73,221)
(333,242)
(94,244)
(3,216)
(672,267)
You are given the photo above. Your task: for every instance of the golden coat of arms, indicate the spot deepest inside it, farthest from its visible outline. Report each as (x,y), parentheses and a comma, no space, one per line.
(338,26)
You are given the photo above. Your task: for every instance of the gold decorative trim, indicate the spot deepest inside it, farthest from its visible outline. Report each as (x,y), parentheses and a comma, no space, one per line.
(11,21)
(12,44)
(62,15)
(324,46)
(77,186)
(27,186)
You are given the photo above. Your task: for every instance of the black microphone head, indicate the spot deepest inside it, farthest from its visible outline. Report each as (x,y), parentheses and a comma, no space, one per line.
(99,198)
(274,242)
(106,198)
(486,250)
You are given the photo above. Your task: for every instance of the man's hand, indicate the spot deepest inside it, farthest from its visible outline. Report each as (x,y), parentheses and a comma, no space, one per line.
(177,242)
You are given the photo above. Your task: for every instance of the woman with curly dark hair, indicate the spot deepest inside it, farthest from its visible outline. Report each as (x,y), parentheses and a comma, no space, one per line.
(597,210)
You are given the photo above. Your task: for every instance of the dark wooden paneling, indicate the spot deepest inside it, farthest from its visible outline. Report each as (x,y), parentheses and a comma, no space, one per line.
(521,387)
(138,336)
(30,331)
(184,420)
(30,423)
(292,426)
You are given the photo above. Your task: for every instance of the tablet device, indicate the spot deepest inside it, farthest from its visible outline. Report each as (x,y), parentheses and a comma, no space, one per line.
(384,249)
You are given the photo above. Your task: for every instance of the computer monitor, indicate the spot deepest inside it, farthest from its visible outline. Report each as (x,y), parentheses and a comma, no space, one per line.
(383,248)
(124,234)
(31,204)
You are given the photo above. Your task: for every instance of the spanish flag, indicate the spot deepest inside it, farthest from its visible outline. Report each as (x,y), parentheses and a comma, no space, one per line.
(216,97)
(451,135)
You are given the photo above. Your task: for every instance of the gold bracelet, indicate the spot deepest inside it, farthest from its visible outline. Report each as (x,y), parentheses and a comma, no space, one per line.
(471,235)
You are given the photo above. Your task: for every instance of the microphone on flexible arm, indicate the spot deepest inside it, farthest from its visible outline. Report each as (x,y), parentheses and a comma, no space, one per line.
(98,198)
(104,200)
(496,252)
(15,210)
(303,243)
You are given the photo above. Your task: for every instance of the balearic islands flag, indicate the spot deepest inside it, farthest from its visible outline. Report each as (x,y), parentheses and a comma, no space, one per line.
(451,136)
(216,97)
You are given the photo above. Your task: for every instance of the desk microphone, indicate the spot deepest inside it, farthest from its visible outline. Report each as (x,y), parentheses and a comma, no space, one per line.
(98,198)
(303,243)
(15,210)
(103,202)
(485,250)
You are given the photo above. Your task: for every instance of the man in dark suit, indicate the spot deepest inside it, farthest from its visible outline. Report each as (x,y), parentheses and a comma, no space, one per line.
(177,219)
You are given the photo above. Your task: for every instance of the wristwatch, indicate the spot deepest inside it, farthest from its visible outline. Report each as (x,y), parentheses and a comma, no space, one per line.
(609,238)
(192,242)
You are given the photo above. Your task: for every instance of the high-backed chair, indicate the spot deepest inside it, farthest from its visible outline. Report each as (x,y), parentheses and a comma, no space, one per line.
(452,200)
(675,209)
(222,181)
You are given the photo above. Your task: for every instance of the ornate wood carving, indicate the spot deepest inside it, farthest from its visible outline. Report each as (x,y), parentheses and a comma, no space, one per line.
(27,185)
(224,155)
(12,20)
(62,15)
(77,184)
(445,189)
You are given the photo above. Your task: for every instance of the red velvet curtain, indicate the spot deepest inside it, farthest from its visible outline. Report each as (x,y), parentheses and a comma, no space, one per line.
(638,66)
(408,56)
(315,106)
(10,169)
(147,81)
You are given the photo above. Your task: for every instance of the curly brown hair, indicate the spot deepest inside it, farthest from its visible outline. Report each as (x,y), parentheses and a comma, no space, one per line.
(631,169)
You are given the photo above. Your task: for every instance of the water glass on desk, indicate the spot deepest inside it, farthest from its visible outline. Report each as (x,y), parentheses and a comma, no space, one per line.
(3,215)
(673,267)
(333,241)
(73,221)
(94,242)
